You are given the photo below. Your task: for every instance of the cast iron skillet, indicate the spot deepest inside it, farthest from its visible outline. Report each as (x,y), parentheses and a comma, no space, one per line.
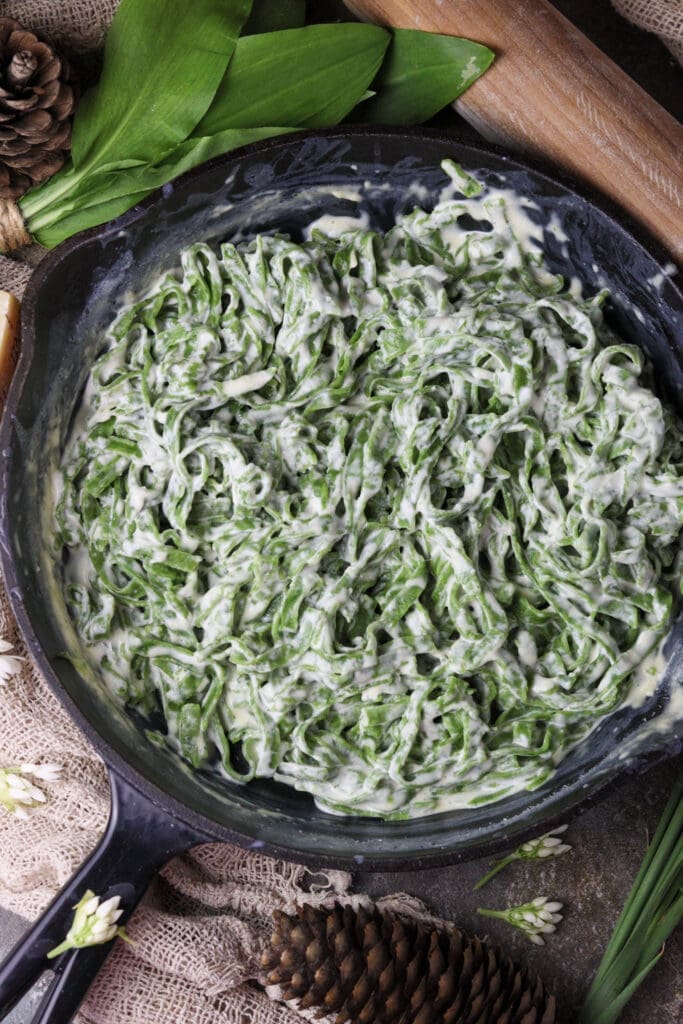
(159,807)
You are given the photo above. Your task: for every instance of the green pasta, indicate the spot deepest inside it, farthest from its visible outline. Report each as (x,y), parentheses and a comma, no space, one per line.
(389,518)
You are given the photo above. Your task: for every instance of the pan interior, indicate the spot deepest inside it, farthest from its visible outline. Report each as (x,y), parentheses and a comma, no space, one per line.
(284,185)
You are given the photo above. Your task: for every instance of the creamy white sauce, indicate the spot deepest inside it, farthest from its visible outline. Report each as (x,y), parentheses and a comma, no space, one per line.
(335,225)
(232,467)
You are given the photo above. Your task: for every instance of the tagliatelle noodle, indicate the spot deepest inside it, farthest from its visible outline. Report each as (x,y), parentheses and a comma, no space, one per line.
(389,518)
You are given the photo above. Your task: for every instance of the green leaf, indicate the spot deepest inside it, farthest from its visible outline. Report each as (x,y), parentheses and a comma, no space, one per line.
(163,61)
(275,15)
(108,195)
(306,77)
(195,151)
(609,1011)
(423,72)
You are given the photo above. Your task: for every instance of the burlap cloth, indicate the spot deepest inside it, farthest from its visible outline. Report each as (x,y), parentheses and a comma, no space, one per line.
(196,931)
(663,17)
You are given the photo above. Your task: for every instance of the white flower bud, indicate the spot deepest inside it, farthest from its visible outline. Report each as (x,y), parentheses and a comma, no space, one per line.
(47,772)
(10,666)
(110,905)
(98,929)
(91,906)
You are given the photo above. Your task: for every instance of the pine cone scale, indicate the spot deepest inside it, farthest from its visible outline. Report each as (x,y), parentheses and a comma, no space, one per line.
(56,145)
(46,95)
(19,38)
(14,147)
(20,105)
(550,1011)
(22,67)
(49,73)
(34,124)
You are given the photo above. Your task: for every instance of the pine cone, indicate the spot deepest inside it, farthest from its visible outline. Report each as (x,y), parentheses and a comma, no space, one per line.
(371,966)
(36,103)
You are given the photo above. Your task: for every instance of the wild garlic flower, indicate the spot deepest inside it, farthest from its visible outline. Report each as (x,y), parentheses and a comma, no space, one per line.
(46,772)
(18,794)
(547,845)
(537,918)
(94,924)
(10,664)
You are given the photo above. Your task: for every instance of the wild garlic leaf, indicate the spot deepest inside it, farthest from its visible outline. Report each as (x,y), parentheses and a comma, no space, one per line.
(274,15)
(163,61)
(309,77)
(195,151)
(422,73)
(108,195)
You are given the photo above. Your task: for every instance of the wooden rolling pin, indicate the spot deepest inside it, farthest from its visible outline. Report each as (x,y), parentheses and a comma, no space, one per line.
(553,94)
(9,341)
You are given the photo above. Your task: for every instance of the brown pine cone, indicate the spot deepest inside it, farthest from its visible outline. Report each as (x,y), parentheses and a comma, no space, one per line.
(36,104)
(371,966)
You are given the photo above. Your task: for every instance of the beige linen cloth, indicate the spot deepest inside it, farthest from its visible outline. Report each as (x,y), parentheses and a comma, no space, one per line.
(206,912)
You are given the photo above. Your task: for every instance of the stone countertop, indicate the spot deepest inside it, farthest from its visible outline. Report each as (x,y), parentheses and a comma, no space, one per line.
(610,837)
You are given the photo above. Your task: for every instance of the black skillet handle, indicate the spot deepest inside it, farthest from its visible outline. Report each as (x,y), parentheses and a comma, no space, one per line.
(140,838)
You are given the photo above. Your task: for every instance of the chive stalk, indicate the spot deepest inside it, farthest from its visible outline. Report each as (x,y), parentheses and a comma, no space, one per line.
(653,909)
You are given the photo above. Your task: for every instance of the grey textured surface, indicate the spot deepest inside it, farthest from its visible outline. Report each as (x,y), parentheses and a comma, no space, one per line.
(609,839)
(608,842)
(11,930)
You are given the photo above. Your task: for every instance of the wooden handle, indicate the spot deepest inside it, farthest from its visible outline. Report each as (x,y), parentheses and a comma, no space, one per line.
(552,93)
(9,341)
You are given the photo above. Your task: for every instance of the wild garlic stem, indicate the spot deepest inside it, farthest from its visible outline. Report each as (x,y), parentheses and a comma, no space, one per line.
(653,909)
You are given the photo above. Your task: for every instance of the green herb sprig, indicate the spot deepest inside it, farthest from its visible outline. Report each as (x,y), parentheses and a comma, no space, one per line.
(181,84)
(653,909)
(94,924)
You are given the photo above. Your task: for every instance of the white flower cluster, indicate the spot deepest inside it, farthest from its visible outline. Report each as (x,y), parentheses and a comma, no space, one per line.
(547,845)
(18,794)
(540,917)
(94,923)
(536,918)
(10,664)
